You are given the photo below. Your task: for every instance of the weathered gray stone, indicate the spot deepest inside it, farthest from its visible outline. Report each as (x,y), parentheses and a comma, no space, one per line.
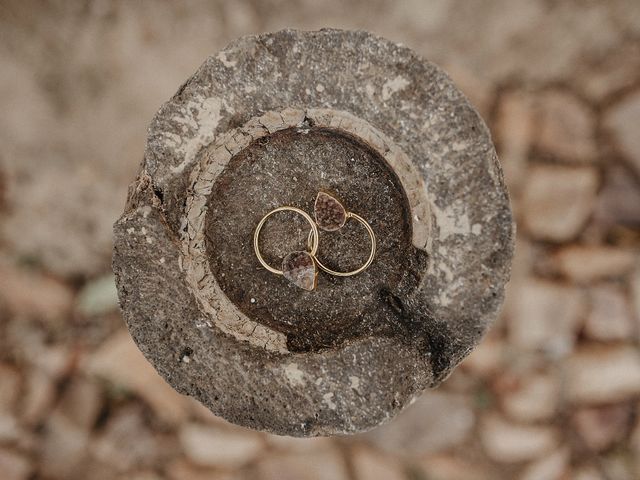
(270,121)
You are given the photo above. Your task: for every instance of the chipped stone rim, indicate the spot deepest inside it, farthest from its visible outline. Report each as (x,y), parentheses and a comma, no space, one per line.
(224,314)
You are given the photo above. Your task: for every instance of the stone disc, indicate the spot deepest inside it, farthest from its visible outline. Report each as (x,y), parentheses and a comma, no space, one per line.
(270,121)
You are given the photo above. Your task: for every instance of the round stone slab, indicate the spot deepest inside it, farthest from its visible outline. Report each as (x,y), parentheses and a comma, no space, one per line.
(270,121)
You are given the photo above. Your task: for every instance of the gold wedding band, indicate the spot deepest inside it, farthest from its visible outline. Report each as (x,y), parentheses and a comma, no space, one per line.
(372,254)
(256,236)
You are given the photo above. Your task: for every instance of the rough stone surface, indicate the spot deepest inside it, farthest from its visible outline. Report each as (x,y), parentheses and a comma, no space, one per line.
(400,145)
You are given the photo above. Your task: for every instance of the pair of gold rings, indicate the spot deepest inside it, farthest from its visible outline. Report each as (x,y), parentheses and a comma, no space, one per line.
(301,267)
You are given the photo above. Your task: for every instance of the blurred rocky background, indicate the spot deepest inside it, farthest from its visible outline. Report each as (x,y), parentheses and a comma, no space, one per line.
(553,393)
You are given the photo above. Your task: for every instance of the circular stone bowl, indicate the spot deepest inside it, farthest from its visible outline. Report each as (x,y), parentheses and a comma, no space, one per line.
(270,121)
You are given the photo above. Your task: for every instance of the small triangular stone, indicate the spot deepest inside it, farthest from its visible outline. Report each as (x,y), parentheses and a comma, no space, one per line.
(300,269)
(329,212)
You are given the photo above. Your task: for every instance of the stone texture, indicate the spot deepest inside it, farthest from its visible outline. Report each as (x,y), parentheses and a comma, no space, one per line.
(300,269)
(234,142)
(329,213)
(558,200)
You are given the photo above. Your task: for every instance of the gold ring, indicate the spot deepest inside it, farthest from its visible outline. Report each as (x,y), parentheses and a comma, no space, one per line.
(366,265)
(314,231)
(331,216)
(301,267)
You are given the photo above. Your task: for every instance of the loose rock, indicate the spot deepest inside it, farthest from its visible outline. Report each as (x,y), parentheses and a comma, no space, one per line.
(565,127)
(543,317)
(603,374)
(509,442)
(622,121)
(619,200)
(601,427)
(534,398)
(28,293)
(550,467)
(99,296)
(321,465)
(589,263)
(64,446)
(120,362)
(434,422)
(487,358)
(80,402)
(452,467)
(9,388)
(369,465)
(558,200)
(515,130)
(127,443)
(213,447)
(610,317)
(181,469)
(14,466)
